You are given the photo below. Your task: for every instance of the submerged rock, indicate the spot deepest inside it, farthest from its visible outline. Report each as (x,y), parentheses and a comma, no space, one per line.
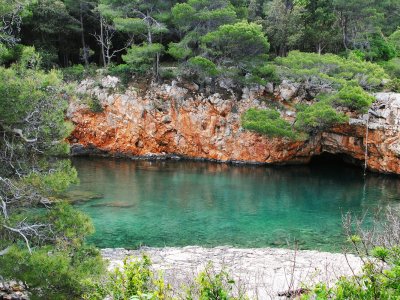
(74,196)
(117,204)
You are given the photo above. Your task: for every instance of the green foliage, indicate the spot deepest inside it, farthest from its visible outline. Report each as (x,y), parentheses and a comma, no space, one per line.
(393,85)
(262,74)
(179,51)
(200,68)
(392,67)
(330,69)
(195,19)
(268,122)
(122,71)
(212,285)
(380,49)
(78,72)
(394,38)
(375,281)
(241,46)
(283,25)
(353,97)
(317,117)
(134,280)
(142,58)
(56,181)
(95,104)
(74,73)
(51,273)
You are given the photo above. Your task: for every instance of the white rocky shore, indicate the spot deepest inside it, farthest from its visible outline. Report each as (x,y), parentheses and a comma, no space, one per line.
(262,272)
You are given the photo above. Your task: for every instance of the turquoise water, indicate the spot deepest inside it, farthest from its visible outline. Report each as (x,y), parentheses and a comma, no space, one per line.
(176,203)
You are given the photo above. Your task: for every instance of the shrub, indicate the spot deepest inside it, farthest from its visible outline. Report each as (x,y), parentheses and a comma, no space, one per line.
(213,285)
(200,69)
(95,105)
(392,67)
(140,58)
(78,72)
(379,249)
(268,122)
(317,117)
(380,49)
(134,281)
(168,73)
(60,265)
(353,97)
(393,85)
(330,69)
(51,273)
(122,71)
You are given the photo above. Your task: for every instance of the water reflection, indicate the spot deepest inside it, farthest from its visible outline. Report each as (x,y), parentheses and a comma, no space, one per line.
(159,203)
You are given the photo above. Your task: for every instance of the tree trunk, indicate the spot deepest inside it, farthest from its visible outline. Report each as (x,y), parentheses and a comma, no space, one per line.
(84,48)
(157,70)
(103,55)
(319,49)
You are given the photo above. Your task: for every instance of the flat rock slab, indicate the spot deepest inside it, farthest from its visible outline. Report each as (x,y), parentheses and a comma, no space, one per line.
(262,272)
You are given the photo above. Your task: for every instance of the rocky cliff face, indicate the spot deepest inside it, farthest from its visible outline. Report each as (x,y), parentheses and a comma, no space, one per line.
(171,120)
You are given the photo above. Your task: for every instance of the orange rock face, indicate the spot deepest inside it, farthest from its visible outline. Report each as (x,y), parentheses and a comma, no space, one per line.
(168,120)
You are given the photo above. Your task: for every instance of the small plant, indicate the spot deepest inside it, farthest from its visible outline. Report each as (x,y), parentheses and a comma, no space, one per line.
(134,281)
(122,71)
(268,122)
(317,117)
(78,72)
(379,250)
(211,285)
(95,105)
(393,85)
(353,97)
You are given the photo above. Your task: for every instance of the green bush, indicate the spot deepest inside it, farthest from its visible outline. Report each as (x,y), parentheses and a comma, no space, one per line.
(141,58)
(379,250)
(380,49)
(74,73)
(268,122)
(60,265)
(79,72)
(213,285)
(380,279)
(122,71)
(392,67)
(318,117)
(95,105)
(53,274)
(263,74)
(134,281)
(353,97)
(393,85)
(330,69)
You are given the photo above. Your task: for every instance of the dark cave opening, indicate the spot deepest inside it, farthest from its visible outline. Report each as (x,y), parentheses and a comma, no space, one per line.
(326,159)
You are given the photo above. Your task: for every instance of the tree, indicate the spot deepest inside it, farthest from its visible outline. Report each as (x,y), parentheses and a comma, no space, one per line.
(237,49)
(11,13)
(196,18)
(51,29)
(283,25)
(321,31)
(142,18)
(357,23)
(38,233)
(82,10)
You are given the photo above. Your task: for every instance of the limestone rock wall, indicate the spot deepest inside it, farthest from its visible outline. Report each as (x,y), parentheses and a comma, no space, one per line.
(171,120)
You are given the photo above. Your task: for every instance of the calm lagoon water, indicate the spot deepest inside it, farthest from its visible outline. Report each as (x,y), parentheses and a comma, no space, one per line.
(181,203)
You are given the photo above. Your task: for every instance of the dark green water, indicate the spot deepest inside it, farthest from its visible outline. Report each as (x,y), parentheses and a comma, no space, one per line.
(193,203)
